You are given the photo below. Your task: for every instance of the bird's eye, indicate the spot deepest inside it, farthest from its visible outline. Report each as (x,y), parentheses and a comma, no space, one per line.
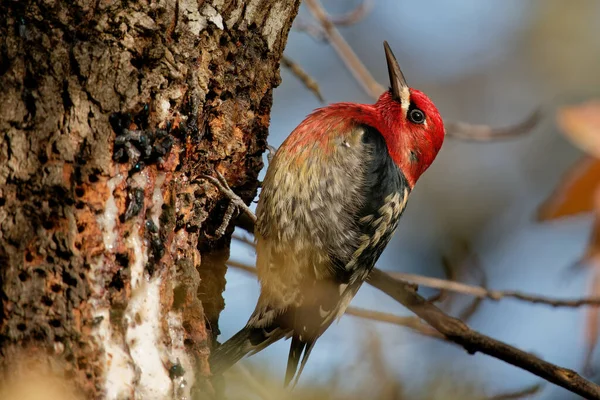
(416,116)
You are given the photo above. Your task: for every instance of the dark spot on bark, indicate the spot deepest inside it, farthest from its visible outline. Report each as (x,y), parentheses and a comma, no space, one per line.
(21,327)
(176,371)
(150,268)
(23,276)
(69,279)
(40,272)
(56,288)
(43,157)
(28,97)
(47,301)
(97,320)
(79,192)
(151,226)
(40,334)
(135,200)
(28,257)
(4,61)
(93,177)
(66,98)
(79,205)
(80,228)
(137,62)
(157,247)
(136,168)
(47,224)
(226,95)
(50,259)
(2,201)
(55,323)
(141,118)
(122,259)
(117,281)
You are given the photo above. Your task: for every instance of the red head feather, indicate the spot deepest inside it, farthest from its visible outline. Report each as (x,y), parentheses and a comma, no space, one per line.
(412,144)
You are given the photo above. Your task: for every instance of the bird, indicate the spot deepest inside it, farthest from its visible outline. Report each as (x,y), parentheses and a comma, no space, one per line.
(329,204)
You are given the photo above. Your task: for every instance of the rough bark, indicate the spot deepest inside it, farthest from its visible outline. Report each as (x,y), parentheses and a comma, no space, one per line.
(111,262)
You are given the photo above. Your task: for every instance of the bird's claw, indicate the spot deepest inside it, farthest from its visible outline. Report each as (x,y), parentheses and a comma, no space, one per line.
(236,201)
(271,153)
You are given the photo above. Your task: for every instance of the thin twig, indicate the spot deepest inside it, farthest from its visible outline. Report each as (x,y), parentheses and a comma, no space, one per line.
(343,49)
(413,323)
(528,391)
(473,341)
(306,79)
(313,30)
(244,239)
(467,312)
(485,133)
(354,16)
(495,295)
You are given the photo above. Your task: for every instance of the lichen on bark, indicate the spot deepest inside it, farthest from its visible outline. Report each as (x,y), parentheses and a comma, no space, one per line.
(110,262)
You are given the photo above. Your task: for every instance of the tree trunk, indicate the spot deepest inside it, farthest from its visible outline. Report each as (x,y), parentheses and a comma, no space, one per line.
(112,255)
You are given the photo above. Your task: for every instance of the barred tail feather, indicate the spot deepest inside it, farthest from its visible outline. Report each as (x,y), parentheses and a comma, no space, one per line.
(297,347)
(248,340)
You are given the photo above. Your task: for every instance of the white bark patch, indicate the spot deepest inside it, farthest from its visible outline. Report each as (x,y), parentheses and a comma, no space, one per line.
(157,199)
(198,19)
(118,367)
(144,338)
(234,16)
(251,8)
(213,16)
(274,23)
(119,373)
(108,219)
(182,384)
(136,361)
(143,316)
(189,9)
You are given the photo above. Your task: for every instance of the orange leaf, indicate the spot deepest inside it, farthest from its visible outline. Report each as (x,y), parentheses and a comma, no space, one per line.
(581,124)
(575,192)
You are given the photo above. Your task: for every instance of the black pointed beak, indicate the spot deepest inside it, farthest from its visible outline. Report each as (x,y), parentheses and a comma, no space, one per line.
(400,90)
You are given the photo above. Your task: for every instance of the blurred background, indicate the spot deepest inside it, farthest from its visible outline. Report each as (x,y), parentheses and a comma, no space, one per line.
(488,62)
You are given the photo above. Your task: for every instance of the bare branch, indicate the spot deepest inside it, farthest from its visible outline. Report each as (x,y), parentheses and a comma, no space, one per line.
(528,391)
(343,49)
(306,79)
(244,239)
(413,323)
(485,133)
(313,30)
(495,295)
(354,16)
(473,341)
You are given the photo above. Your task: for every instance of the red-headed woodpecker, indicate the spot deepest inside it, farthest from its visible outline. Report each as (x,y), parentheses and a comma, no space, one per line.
(330,202)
